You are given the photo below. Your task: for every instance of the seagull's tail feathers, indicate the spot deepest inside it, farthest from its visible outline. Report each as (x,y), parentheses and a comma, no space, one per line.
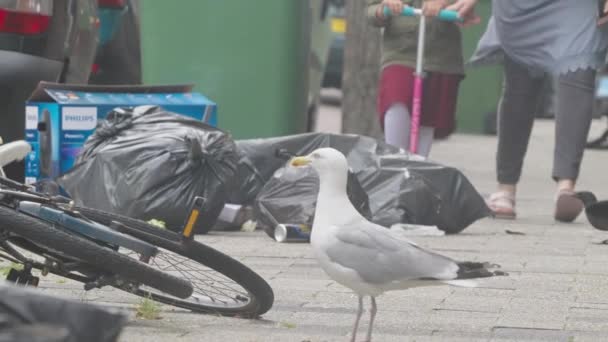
(473,270)
(467,271)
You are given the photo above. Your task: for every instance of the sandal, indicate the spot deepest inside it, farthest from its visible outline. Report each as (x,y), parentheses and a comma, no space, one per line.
(502,204)
(567,206)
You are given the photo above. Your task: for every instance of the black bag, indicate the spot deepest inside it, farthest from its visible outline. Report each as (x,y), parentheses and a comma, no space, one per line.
(429,194)
(399,188)
(258,160)
(28,316)
(147,163)
(290,196)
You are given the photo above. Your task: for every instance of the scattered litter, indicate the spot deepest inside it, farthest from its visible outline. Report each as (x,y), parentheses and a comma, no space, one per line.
(288,325)
(249,226)
(158,223)
(417,230)
(512,232)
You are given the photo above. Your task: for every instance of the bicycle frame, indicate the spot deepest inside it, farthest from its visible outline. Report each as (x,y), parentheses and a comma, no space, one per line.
(57,210)
(12,152)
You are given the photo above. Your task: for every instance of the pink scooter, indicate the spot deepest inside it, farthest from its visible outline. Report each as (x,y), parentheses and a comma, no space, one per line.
(419,75)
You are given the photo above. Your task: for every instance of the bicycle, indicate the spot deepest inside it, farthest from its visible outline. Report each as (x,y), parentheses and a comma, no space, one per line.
(104,249)
(12,152)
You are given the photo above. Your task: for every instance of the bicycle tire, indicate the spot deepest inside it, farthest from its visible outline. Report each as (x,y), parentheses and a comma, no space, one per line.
(94,255)
(261,294)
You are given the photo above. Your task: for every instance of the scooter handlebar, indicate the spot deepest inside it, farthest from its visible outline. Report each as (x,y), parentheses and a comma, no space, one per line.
(445,15)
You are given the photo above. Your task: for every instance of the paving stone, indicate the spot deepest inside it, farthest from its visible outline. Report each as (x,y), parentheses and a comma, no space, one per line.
(532,334)
(557,288)
(474,303)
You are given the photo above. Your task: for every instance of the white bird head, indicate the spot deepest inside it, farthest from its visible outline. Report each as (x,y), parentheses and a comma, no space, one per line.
(326,161)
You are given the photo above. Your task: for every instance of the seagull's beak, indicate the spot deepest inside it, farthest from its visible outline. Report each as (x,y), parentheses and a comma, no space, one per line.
(300,161)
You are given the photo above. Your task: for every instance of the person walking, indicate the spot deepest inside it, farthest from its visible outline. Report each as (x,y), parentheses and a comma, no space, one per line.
(533,38)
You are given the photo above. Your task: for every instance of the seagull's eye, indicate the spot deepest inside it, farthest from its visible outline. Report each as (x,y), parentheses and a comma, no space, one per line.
(316,155)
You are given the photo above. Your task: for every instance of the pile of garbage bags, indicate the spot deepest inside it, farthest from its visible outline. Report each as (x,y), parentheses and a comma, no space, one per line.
(399,187)
(28,316)
(148,163)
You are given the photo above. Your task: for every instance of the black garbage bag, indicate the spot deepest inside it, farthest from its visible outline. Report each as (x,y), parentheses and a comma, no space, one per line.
(400,188)
(396,197)
(28,316)
(249,181)
(147,163)
(258,161)
(290,197)
(432,194)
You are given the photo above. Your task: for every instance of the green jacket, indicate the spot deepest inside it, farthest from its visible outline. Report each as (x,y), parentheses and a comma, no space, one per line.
(443,48)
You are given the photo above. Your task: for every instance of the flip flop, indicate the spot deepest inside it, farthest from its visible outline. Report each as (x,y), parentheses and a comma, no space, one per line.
(502,205)
(567,206)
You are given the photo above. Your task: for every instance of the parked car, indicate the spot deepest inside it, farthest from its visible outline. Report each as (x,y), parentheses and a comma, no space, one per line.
(320,40)
(118,57)
(48,40)
(335,62)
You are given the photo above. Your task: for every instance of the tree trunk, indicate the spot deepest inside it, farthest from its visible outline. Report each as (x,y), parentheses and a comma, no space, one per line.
(360,74)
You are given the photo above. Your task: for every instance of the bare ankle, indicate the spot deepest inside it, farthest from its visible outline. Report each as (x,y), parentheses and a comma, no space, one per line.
(508,188)
(566,185)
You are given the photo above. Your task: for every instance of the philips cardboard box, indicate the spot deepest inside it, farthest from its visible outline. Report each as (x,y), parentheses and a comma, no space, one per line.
(60,117)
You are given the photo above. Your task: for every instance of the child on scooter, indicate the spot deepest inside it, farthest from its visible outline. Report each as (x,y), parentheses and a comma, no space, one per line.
(443,65)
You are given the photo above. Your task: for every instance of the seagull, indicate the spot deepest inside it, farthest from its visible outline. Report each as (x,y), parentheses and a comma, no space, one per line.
(366,257)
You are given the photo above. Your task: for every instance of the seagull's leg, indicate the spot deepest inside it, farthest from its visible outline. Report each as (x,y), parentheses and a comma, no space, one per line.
(359,313)
(372,316)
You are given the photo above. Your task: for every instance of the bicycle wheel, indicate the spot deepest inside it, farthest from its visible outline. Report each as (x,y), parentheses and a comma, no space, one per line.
(222,284)
(100,258)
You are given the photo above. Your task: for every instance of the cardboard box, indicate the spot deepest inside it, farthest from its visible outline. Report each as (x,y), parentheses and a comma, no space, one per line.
(60,117)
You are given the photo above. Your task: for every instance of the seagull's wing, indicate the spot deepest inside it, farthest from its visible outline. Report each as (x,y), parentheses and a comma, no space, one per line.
(379,257)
